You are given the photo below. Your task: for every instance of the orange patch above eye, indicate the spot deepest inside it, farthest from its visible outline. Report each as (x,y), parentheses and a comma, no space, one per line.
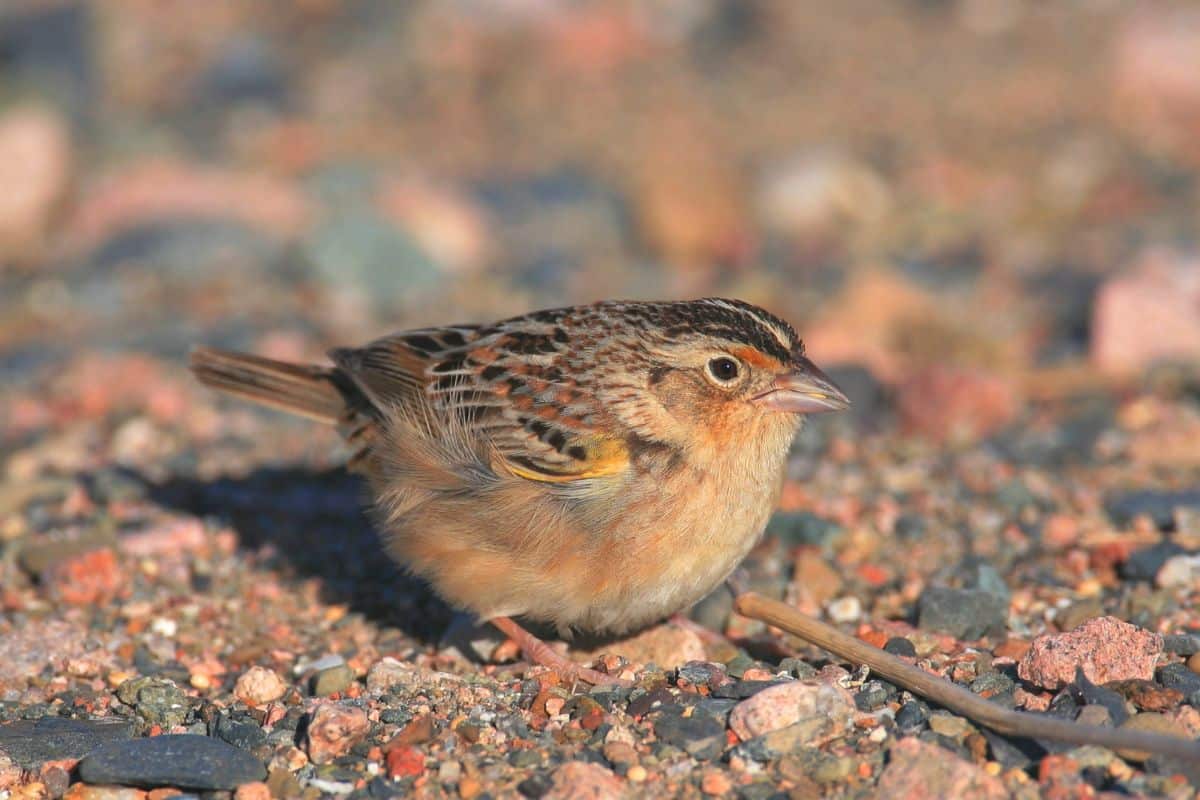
(755,358)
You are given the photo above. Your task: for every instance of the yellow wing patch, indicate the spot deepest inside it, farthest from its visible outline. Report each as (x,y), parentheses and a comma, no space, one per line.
(603,458)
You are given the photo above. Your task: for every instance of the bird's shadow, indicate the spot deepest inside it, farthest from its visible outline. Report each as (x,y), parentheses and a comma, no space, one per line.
(317,523)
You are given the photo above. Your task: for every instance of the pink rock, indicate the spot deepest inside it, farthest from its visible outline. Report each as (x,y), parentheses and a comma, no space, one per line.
(1156,77)
(177,536)
(447,225)
(578,780)
(258,686)
(919,770)
(1151,312)
(334,730)
(946,402)
(160,189)
(35,171)
(1106,648)
(788,703)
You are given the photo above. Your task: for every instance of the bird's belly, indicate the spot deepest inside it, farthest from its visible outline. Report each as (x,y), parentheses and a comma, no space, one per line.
(675,561)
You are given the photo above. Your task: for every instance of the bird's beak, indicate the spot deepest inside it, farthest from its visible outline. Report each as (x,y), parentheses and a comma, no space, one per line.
(803,390)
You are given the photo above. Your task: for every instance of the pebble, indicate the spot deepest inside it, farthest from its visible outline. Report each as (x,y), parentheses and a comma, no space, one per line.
(1160,506)
(911,716)
(1149,722)
(578,780)
(333,730)
(240,731)
(159,701)
(36,166)
(845,609)
(91,578)
(83,791)
(30,743)
(332,680)
(1193,663)
(802,528)
(1106,648)
(900,646)
(1147,313)
(1179,571)
(950,725)
(917,770)
(946,403)
(185,760)
(789,703)
(696,733)
(715,783)
(962,613)
(258,686)
(1182,644)
(1078,613)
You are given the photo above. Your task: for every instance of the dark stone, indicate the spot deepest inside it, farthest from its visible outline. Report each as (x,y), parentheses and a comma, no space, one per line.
(49,48)
(873,695)
(911,716)
(241,732)
(1015,497)
(962,613)
(1159,506)
(797,668)
(395,716)
(802,528)
(698,734)
(1091,694)
(536,785)
(716,707)
(1144,564)
(701,673)
(183,760)
(900,646)
(740,690)
(32,742)
(910,526)
(1013,753)
(1178,676)
(992,683)
(156,700)
(246,71)
(1181,644)
(982,577)
(872,401)
(651,701)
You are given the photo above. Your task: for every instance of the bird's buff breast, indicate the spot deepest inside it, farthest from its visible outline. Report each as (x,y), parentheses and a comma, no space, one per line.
(667,550)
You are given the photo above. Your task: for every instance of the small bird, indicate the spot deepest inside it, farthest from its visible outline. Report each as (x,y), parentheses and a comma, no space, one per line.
(597,467)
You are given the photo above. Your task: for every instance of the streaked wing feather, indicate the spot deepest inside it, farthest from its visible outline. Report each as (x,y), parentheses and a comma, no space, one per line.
(506,383)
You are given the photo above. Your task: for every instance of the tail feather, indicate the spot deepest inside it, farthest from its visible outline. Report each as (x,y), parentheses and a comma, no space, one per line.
(309,391)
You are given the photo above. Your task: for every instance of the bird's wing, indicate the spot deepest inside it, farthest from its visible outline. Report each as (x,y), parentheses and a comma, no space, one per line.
(506,386)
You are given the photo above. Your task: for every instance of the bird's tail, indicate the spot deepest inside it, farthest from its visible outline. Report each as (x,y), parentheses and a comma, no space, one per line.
(307,390)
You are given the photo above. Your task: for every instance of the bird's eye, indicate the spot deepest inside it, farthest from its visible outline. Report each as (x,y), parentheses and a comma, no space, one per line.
(723,368)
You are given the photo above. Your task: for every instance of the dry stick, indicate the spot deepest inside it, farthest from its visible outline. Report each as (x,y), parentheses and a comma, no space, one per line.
(955,698)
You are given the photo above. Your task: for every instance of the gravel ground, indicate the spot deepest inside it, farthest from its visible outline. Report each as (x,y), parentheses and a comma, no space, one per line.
(989,239)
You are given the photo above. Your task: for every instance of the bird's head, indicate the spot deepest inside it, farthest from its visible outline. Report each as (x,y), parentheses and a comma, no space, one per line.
(718,367)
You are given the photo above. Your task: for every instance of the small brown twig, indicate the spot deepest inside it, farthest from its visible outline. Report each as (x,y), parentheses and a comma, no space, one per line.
(955,698)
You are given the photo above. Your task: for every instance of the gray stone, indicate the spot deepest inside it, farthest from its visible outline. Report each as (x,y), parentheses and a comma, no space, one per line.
(698,734)
(185,761)
(156,700)
(33,742)
(962,613)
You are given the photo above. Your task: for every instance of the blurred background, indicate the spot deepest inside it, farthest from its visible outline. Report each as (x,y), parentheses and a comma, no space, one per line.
(966,206)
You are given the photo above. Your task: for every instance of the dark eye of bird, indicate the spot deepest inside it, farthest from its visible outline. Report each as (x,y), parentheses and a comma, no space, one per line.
(723,368)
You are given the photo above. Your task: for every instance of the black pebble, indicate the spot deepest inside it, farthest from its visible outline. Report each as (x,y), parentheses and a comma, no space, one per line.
(184,760)
(900,646)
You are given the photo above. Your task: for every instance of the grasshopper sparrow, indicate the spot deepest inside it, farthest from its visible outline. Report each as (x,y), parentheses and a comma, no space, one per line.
(597,467)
